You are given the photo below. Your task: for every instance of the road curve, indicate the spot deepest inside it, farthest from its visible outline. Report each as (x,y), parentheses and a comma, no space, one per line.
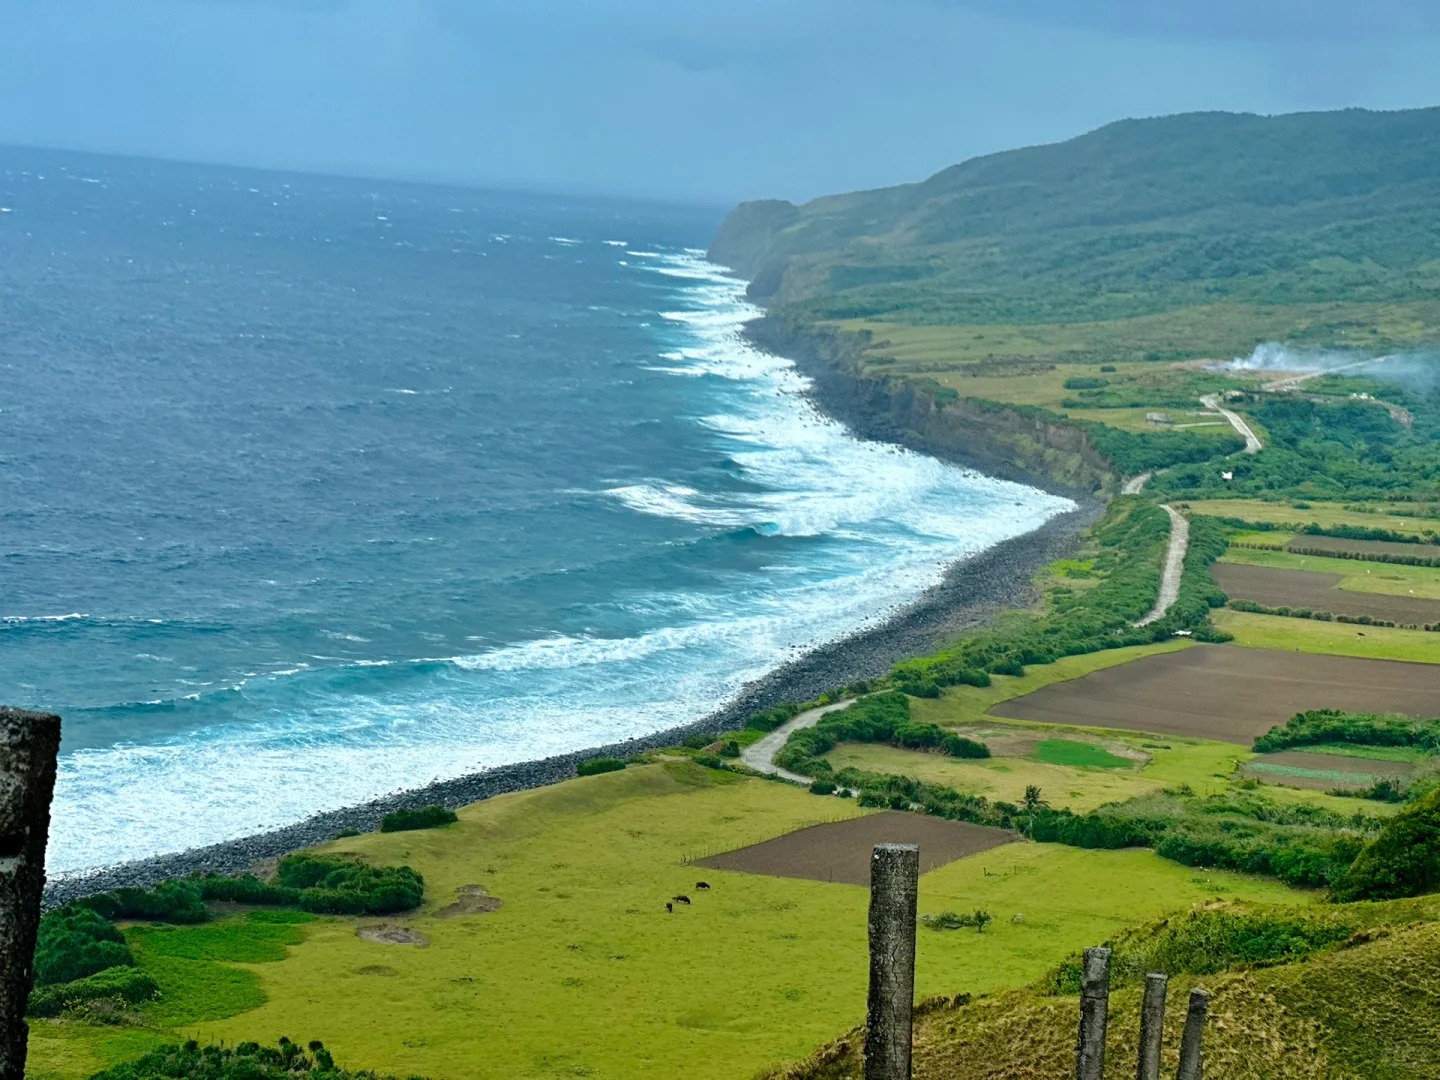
(760,755)
(1136,484)
(1174,565)
(1253,445)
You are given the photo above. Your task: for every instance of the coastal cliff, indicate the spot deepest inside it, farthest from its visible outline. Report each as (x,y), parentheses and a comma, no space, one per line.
(996,439)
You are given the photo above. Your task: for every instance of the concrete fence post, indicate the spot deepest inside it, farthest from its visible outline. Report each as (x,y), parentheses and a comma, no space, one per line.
(894,883)
(1192,1064)
(1152,1026)
(29,743)
(1094,1009)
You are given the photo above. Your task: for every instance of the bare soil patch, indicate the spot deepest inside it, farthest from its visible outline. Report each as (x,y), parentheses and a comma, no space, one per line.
(1356,771)
(1319,592)
(1362,547)
(390,934)
(841,851)
(473,900)
(1228,693)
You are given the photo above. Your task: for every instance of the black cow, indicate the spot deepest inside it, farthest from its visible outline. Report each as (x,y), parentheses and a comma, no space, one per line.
(702,885)
(681,899)
(670,909)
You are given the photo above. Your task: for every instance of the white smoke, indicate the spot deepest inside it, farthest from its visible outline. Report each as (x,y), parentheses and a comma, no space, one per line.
(1417,371)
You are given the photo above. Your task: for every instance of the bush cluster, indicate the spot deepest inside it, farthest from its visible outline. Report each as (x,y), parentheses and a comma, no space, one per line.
(120,983)
(878,718)
(596,765)
(248,1061)
(1327,616)
(1318,726)
(76,942)
(427,817)
(1404,860)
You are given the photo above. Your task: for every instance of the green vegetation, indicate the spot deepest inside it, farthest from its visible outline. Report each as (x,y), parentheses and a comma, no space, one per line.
(248,1061)
(1390,581)
(1130,543)
(115,985)
(1417,521)
(1320,726)
(879,718)
(596,766)
(1327,638)
(1080,754)
(1404,860)
(949,920)
(427,817)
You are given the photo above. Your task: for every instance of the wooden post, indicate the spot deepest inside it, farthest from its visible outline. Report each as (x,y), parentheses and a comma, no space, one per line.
(29,743)
(1094,1008)
(1152,1026)
(894,883)
(1191,1058)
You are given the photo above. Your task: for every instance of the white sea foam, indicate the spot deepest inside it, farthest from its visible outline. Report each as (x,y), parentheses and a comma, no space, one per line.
(568,241)
(880,525)
(616,243)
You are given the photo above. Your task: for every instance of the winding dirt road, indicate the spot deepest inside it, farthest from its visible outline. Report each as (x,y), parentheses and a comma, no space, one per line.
(760,755)
(1174,564)
(1253,445)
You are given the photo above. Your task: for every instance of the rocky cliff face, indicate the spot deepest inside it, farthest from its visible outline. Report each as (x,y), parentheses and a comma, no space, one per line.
(995,439)
(747,233)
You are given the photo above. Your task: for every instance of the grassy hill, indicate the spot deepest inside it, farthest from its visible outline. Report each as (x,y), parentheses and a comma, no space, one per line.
(1138,217)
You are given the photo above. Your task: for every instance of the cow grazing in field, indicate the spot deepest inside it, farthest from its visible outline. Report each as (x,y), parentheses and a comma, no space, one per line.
(700,885)
(669,908)
(681,899)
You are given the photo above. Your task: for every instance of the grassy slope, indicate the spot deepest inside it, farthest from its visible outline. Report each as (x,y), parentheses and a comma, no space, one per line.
(581,972)
(1390,579)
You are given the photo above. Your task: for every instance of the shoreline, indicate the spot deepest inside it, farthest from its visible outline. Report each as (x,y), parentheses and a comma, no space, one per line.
(971,592)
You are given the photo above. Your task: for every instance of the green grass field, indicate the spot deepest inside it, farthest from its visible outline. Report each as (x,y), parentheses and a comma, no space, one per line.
(1401,517)
(582,973)
(1391,579)
(1336,639)
(1079,754)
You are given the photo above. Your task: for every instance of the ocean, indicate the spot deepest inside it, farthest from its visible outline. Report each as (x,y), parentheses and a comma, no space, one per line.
(316,489)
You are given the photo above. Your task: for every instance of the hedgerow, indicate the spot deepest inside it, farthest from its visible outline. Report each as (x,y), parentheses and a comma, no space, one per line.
(878,718)
(1362,729)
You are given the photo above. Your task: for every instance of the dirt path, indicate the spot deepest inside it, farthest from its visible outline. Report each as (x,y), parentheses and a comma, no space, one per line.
(1174,564)
(760,755)
(1253,445)
(1136,484)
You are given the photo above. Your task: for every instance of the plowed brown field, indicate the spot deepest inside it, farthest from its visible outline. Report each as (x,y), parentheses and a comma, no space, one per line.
(1228,693)
(1319,592)
(841,851)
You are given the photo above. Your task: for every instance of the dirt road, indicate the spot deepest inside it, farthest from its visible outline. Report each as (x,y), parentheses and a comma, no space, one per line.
(1174,564)
(760,755)
(1253,445)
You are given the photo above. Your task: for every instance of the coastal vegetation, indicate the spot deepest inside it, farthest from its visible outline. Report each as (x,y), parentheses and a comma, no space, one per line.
(427,817)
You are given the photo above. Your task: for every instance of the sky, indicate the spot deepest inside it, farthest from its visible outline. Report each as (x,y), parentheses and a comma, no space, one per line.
(694,100)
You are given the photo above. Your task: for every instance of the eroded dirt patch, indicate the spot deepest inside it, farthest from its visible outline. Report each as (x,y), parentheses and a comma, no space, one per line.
(841,851)
(391,934)
(473,900)
(1228,693)
(1319,592)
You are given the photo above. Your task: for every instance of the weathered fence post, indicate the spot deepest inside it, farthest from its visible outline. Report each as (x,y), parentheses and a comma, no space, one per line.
(1094,1008)
(1152,1026)
(894,883)
(1191,1058)
(29,743)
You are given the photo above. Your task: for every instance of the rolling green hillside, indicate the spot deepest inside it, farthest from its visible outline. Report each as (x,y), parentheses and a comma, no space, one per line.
(1136,218)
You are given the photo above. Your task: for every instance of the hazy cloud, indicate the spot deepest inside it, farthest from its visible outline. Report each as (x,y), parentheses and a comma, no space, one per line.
(714,98)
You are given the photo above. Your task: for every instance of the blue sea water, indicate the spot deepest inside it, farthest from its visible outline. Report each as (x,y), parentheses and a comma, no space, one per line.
(315,489)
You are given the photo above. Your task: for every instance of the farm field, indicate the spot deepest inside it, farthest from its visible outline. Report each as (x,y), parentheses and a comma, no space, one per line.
(1276,632)
(1272,587)
(1401,517)
(1228,694)
(1392,579)
(841,851)
(1303,768)
(1005,776)
(1365,547)
(581,971)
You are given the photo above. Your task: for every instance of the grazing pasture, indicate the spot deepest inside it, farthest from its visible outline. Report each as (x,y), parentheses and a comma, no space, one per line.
(1392,579)
(1319,592)
(841,851)
(1227,693)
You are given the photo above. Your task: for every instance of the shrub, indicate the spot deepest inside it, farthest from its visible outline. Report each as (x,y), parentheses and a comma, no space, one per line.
(927,689)
(697,742)
(343,833)
(822,787)
(333,886)
(124,984)
(1404,860)
(961,747)
(596,765)
(710,761)
(427,817)
(171,901)
(248,1061)
(731,749)
(75,942)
